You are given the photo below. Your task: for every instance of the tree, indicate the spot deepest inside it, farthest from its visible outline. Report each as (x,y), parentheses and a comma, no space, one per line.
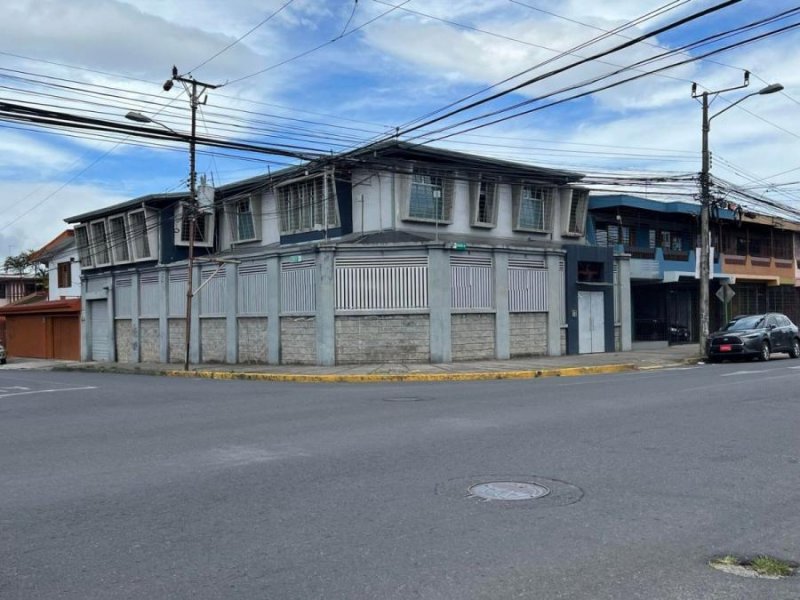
(25,263)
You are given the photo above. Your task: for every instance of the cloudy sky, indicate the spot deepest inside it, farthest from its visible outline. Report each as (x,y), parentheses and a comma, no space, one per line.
(328,75)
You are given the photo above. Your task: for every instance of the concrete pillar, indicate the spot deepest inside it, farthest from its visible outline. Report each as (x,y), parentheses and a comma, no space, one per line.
(273,331)
(163,316)
(624,274)
(111,337)
(231,312)
(194,340)
(325,316)
(554,292)
(439,301)
(135,334)
(502,319)
(86,350)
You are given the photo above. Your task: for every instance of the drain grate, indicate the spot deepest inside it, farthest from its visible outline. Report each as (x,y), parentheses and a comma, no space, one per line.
(508,490)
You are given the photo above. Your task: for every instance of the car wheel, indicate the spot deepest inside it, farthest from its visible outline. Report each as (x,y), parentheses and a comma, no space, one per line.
(794,352)
(711,359)
(2,361)
(764,352)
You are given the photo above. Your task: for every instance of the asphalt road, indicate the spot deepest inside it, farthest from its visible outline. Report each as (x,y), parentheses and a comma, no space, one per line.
(115,486)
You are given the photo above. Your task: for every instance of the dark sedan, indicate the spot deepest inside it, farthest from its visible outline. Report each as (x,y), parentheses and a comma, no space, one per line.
(754,336)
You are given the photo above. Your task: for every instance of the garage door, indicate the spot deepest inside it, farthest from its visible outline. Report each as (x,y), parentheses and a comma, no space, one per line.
(99,328)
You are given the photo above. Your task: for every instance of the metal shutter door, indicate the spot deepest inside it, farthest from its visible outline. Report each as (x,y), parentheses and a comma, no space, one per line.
(98,313)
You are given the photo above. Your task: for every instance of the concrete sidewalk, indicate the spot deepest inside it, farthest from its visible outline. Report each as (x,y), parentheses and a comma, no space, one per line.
(527,368)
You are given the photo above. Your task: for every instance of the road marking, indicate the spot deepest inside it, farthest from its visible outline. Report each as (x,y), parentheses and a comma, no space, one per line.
(74,389)
(793,367)
(746,372)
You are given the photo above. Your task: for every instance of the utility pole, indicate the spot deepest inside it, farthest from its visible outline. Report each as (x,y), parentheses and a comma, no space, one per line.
(705,195)
(190,209)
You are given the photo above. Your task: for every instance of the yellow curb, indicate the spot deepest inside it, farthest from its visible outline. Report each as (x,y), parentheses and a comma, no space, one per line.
(400,377)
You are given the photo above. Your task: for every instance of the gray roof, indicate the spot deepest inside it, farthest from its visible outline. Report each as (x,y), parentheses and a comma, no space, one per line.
(152,199)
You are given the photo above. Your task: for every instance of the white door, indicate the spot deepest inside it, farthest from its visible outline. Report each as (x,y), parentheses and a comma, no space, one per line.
(99,329)
(591,322)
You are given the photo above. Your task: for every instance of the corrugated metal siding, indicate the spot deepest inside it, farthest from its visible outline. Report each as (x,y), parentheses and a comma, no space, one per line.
(177,293)
(150,295)
(472,282)
(252,292)
(298,287)
(212,296)
(382,283)
(122,297)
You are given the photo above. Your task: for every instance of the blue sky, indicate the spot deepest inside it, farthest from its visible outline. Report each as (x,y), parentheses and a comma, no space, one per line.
(373,78)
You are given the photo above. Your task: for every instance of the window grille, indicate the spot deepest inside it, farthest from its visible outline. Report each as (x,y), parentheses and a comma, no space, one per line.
(243,219)
(528,285)
(431,197)
(252,293)
(203,226)
(472,282)
(150,294)
(298,287)
(382,283)
(122,297)
(212,296)
(308,205)
(533,210)
(483,195)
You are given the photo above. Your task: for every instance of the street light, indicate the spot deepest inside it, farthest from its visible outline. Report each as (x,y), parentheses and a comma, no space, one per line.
(705,195)
(190,211)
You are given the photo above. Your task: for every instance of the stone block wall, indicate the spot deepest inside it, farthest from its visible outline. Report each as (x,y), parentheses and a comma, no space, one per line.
(298,341)
(213,340)
(528,334)
(122,335)
(563,341)
(177,340)
(252,339)
(472,336)
(382,338)
(150,336)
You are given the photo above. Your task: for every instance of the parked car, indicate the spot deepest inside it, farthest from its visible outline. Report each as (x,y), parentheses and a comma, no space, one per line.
(3,357)
(754,336)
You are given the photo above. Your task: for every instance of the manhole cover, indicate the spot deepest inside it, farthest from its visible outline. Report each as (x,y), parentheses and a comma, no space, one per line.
(508,490)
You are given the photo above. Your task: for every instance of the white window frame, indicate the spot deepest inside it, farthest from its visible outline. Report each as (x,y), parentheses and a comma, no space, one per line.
(150,222)
(119,245)
(95,244)
(489,190)
(206,241)
(235,215)
(440,212)
(85,256)
(579,200)
(534,193)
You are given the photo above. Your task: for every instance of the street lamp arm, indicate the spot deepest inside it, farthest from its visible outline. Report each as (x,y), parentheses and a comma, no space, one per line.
(140,118)
(770,89)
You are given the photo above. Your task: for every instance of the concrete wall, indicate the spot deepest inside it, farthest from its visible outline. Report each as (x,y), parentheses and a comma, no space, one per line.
(298,341)
(213,340)
(253,339)
(382,338)
(69,255)
(122,335)
(177,340)
(150,340)
(472,336)
(528,334)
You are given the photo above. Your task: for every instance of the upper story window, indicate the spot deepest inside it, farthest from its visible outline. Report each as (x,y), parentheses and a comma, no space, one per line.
(84,249)
(99,243)
(533,208)
(431,197)
(142,235)
(483,200)
(64,274)
(203,226)
(118,230)
(244,219)
(576,217)
(308,205)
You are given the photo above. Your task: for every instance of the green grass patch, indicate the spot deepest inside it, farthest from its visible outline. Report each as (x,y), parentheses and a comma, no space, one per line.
(774,567)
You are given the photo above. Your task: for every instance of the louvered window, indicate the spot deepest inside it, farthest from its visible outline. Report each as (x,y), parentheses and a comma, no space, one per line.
(140,234)
(203,226)
(99,239)
(483,197)
(119,239)
(308,205)
(84,249)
